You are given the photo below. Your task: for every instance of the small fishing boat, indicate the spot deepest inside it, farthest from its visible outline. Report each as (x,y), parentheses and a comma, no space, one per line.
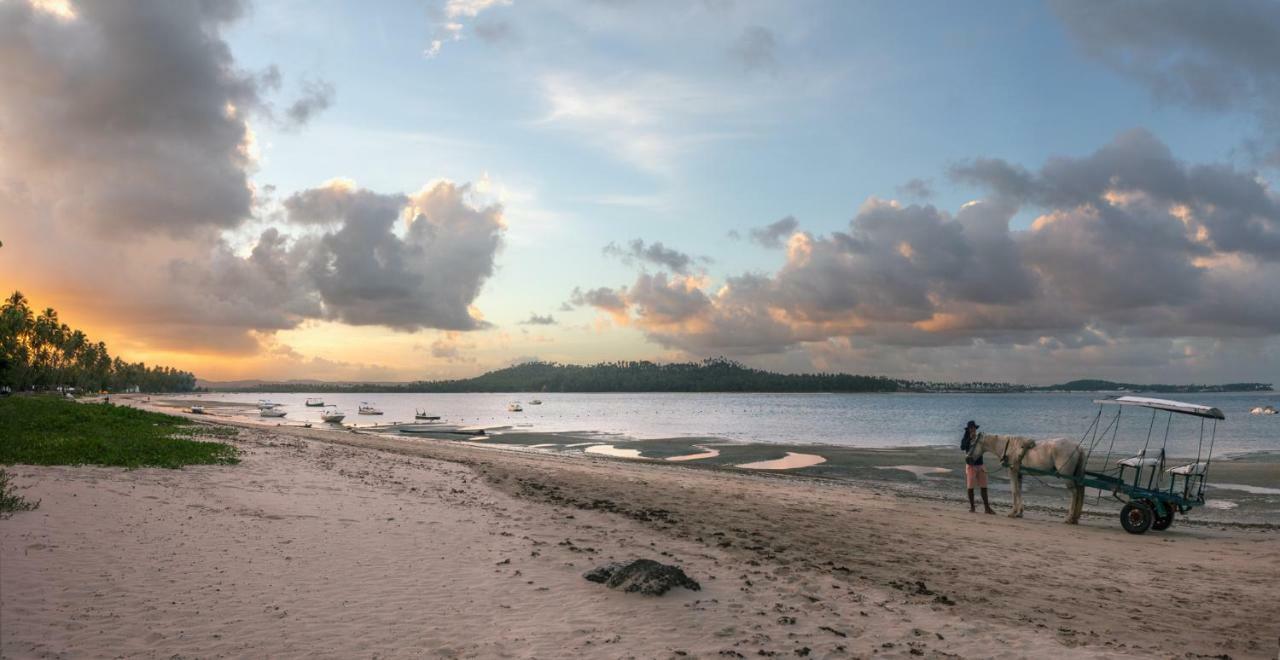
(271,412)
(367,409)
(1263,410)
(419,413)
(515,406)
(263,404)
(536,402)
(315,403)
(197,410)
(332,415)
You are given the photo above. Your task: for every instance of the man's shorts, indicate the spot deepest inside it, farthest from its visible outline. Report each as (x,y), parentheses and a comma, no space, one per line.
(975,476)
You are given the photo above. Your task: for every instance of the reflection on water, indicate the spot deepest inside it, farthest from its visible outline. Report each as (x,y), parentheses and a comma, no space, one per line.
(863,420)
(789,462)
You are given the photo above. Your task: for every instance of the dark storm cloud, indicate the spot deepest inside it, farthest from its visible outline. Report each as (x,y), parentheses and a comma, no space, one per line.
(1129,243)
(654,253)
(772,234)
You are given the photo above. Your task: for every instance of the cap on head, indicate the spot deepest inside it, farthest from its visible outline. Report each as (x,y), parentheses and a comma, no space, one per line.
(971,425)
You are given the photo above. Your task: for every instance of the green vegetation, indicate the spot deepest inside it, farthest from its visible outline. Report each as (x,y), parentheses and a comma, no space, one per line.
(37,352)
(11,502)
(46,430)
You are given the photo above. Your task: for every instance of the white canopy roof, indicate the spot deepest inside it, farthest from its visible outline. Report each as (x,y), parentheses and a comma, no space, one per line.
(1165,404)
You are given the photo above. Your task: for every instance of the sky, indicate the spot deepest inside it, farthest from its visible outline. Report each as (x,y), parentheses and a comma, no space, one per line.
(1012,191)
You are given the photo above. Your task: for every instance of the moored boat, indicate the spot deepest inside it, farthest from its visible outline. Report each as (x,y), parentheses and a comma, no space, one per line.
(332,415)
(1263,410)
(515,406)
(367,409)
(315,403)
(536,402)
(419,413)
(197,410)
(271,412)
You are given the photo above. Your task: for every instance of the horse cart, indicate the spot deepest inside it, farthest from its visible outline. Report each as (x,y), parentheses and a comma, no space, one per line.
(1152,491)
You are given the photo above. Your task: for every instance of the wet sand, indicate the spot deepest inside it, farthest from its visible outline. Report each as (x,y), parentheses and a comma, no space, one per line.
(370,544)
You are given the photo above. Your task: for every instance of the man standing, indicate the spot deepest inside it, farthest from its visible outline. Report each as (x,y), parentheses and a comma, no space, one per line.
(975,473)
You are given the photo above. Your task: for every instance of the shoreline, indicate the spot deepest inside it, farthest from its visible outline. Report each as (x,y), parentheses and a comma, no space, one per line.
(376,544)
(1257,469)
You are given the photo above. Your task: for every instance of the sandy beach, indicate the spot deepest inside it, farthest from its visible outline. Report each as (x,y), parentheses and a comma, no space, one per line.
(341,544)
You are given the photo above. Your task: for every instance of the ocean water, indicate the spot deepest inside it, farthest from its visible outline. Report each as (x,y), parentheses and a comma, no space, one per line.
(861,420)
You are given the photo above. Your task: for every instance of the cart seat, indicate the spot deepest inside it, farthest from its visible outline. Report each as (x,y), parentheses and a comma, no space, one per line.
(1189,469)
(1139,461)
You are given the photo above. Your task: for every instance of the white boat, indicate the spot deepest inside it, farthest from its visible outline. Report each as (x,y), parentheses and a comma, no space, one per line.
(536,402)
(419,413)
(515,406)
(263,404)
(332,415)
(1263,410)
(315,403)
(366,409)
(271,412)
(197,410)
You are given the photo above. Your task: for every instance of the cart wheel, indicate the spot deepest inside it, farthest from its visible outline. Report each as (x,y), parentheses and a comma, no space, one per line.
(1161,523)
(1136,518)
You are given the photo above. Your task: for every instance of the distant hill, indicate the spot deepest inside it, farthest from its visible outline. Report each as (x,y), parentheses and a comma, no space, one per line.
(1111,386)
(712,375)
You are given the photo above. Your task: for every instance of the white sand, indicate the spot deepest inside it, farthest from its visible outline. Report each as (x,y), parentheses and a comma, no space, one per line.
(610,450)
(706,453)
(791,461)
(312,548)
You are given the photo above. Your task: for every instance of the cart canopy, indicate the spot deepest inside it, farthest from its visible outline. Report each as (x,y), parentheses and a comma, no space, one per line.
(1165,404)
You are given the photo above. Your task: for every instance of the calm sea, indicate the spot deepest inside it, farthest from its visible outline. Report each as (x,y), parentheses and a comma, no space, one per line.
(862,420)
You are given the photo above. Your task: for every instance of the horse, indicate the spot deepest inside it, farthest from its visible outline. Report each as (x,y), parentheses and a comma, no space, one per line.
(1061,456)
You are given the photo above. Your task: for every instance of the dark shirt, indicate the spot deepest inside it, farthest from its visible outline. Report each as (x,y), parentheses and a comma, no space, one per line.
(964,446)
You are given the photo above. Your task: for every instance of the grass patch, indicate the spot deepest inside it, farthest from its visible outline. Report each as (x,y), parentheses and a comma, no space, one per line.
(38,430)
(11,502)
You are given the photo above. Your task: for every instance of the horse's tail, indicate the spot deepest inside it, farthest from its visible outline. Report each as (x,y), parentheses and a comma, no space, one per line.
(1080,464)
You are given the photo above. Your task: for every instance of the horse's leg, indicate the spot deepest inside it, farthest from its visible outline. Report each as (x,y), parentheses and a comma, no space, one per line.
(1015,481)
(1073,511)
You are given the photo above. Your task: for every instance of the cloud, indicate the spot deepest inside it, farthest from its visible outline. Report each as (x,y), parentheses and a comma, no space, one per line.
(129,118)
(449,20)
(449,348)
(1128,244)
(535,319)
(916,188)
(771,235)
(366,274)
(755,49)
(1216,57)
(317,96)
(654,253)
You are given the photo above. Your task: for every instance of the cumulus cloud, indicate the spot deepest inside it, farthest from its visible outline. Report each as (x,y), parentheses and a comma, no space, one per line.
(653,253)
(772,234)
(366,274)
(1128,244)
(128,117)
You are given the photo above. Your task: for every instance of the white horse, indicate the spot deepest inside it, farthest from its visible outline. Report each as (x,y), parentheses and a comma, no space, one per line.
(1060,455)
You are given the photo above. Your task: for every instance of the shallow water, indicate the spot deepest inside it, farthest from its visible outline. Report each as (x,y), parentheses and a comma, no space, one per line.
(858,420)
